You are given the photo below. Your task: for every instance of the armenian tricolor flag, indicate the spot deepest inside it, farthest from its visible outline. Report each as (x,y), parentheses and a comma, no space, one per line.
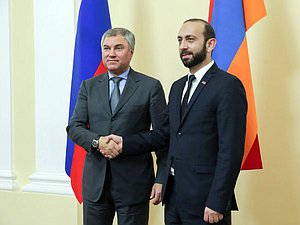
(231,19)
(93,21)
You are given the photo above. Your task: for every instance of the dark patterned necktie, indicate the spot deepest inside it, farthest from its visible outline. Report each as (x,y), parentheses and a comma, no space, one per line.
(186,96)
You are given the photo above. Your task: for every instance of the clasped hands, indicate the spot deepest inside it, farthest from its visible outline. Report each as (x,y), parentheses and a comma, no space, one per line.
(110,146)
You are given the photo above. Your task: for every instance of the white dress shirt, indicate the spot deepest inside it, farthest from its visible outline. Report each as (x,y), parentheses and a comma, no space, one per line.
(199,75)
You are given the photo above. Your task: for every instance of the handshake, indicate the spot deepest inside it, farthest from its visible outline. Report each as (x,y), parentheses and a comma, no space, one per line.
(110,146)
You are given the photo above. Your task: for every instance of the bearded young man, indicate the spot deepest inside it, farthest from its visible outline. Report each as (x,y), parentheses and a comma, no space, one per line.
(205,128)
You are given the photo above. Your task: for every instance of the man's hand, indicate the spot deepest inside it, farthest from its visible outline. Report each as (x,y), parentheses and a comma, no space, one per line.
(117,139)
(211,216)
(110,146)
(156,194)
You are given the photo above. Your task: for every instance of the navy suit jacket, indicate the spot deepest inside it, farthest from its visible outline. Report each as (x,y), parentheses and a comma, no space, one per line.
(206,146)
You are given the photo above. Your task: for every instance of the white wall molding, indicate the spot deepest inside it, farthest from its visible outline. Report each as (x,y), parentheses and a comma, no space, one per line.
(54,44)
(8,180)
(50,183)
(7,175)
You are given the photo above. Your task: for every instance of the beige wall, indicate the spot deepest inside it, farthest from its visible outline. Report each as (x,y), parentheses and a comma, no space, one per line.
(271,196)
(266,197)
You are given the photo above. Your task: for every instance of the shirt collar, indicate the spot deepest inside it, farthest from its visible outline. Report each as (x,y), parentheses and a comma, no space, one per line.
(200,73)
(123,75)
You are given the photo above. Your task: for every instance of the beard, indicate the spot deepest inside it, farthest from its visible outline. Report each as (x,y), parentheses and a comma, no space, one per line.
(196,59)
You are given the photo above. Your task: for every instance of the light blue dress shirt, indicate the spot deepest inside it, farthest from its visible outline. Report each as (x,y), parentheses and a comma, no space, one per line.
(121,84)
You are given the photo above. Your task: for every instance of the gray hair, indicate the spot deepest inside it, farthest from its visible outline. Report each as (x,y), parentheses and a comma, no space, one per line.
(128,35)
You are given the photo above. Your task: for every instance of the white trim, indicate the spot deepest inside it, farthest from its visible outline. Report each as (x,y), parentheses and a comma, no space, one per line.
(7,175)
(49,183)
(53,51)
(8,180)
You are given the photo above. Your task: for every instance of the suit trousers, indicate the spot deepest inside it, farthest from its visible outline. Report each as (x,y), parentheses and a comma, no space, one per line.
(103,211)
(175,214)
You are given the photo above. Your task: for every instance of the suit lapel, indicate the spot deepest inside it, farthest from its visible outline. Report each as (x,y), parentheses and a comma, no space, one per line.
(104,92)
(178,98)
(130,87)
(204,81)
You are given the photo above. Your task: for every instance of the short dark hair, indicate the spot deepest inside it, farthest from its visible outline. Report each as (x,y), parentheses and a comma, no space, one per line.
(209,31)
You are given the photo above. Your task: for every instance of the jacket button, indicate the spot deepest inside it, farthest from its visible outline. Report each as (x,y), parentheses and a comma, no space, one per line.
(179,134)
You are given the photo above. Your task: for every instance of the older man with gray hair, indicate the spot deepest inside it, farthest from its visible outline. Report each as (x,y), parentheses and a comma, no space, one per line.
(120,101)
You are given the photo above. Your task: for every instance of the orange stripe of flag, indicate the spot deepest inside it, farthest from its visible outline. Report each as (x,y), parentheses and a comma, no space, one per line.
(254,10)
(240,67)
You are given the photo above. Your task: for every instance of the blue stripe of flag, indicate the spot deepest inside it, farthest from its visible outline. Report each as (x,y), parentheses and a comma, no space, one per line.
(228,22)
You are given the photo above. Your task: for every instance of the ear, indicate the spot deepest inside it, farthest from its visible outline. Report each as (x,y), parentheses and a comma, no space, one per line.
(131,52)
(211,44)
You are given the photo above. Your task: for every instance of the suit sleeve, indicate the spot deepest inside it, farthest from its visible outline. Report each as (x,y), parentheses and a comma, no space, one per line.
(78,129)
(158,137)
(158,114)
(231,122)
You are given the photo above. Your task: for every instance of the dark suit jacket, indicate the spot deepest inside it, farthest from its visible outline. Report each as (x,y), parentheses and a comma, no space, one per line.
(142,103)
(207,145)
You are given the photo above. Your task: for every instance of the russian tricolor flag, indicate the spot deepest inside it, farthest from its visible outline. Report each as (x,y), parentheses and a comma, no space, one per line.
(93,21)
(231,19)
